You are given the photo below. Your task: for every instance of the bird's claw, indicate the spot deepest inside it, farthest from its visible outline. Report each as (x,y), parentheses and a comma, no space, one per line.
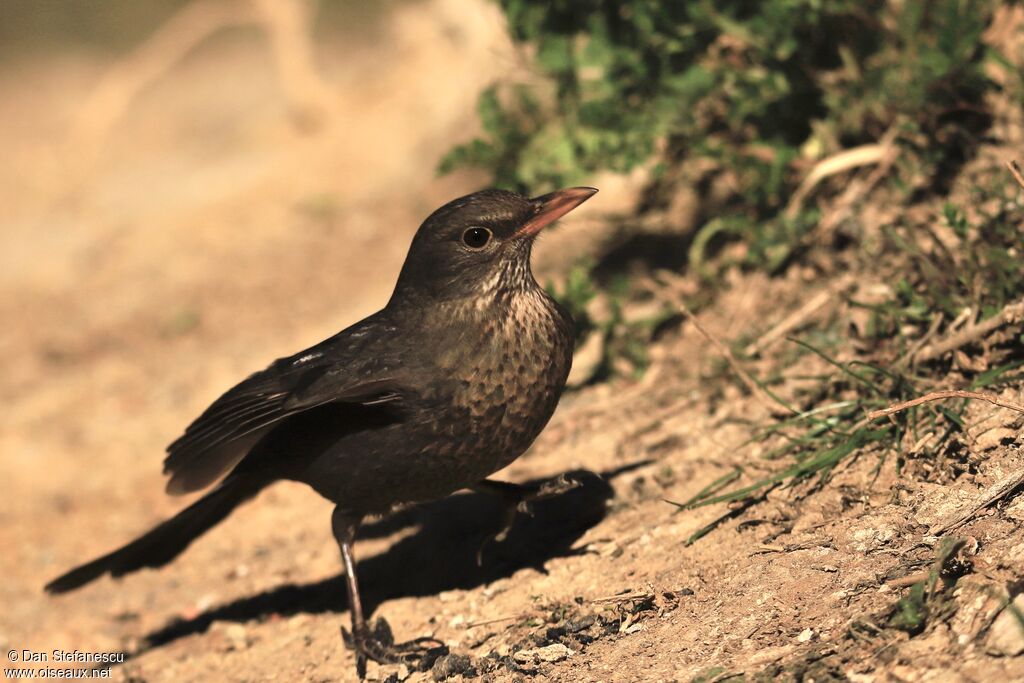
(376,642)
(521,501)
(563,483)
(549,489)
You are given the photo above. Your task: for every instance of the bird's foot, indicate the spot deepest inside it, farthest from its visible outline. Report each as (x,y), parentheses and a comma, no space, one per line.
(531,494)
(518,499)
(376,642)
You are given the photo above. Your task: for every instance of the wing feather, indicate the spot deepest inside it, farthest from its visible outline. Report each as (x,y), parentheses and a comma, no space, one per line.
(227,430)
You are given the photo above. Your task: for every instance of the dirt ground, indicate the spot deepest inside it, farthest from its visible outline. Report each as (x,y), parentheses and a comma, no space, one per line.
(215,225)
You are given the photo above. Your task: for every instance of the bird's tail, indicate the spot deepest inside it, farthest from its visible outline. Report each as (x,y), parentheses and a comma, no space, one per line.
(167,540)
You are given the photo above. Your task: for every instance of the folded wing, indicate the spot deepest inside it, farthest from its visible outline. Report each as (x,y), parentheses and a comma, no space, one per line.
(226,431)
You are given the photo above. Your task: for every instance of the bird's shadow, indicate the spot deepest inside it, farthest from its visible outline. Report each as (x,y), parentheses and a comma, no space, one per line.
(442,554)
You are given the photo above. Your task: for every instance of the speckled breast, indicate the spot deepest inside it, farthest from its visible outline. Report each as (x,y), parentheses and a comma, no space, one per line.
(498,374)
(506,369)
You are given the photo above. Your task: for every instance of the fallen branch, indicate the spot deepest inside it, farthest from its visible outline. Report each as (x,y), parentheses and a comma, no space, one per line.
(910,579)
(288,25)
(1011,313)
(939,395)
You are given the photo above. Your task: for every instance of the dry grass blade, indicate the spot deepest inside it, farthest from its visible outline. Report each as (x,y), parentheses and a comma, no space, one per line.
(496,620)
(755,387)
(940,395)
(1017,174)
(843,206)
(829,166)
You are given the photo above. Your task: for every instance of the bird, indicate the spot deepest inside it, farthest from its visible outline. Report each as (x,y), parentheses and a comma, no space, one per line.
(451,381)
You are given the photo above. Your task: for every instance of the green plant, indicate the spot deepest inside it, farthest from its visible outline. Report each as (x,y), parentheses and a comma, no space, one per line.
(758,90)
(933,285)
(977,267)
(929,599)
(756,93)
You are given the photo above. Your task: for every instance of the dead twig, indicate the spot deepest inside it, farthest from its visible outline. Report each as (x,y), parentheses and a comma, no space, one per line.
(496,620)
(909,579)
(939,395)
(916,347)
(622,597)
(1000,491)
(1011,313)
(1017,174)
(832,165)
(766,548)
(744,376)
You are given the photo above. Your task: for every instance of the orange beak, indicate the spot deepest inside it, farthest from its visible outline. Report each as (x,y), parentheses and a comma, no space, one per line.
(552,206)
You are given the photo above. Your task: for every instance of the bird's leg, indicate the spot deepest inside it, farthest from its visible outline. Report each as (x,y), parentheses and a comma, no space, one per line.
(374,642)
(517,498)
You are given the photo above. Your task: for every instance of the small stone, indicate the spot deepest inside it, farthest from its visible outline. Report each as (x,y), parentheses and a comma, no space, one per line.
(988,440)
(555,652)
(577,624)
(237,637)
(238,572)
(1007,634)
(374,671)
(450,665)
(805,635)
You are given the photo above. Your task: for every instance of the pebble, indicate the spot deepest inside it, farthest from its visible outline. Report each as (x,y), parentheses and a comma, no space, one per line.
(1007,634)
(450,665)
(555,652)
(236,635)
(994,437)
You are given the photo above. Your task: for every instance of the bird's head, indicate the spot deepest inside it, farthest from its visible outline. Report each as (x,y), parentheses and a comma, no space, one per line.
(479,245)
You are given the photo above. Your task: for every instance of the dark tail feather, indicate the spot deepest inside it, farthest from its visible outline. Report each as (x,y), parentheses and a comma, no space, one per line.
(165,541)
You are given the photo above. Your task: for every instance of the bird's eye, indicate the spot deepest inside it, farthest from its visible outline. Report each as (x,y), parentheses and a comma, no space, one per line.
(476,238)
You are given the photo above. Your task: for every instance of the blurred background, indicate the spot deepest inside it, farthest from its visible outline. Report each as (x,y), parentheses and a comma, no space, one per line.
(185,176)
(192,188)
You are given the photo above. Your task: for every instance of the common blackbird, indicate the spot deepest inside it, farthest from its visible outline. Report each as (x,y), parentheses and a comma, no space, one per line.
(451,381)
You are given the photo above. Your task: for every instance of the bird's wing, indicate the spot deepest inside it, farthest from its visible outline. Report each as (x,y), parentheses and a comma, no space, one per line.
(332,372)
